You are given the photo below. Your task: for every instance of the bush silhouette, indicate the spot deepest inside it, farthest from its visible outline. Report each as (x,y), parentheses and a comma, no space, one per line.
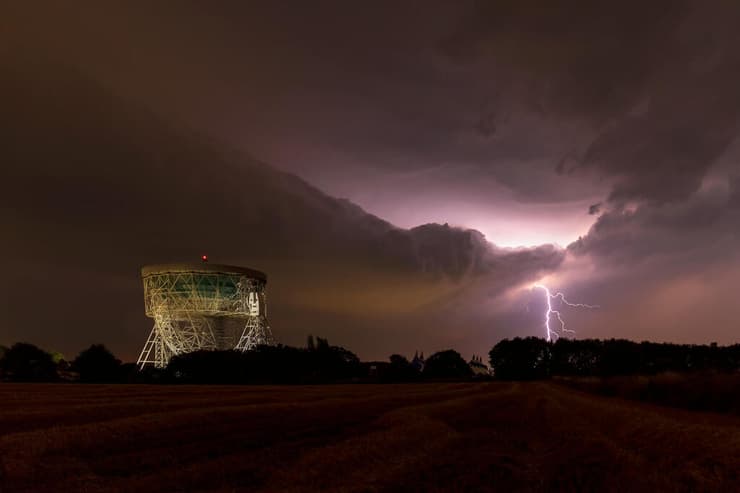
(447,364)
(400,370)
(97,365)
(521,359)
(536,358)
(27,363)
(267,364)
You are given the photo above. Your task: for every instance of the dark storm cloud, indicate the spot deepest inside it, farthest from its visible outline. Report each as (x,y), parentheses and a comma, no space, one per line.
(702,222)
(654,87)
(583,59)
(656,81)
(734,200)
(663,271)
(113,187)
(346,85)
(693,232)
(665,153)
(639,95)
(510,117)
(456,253)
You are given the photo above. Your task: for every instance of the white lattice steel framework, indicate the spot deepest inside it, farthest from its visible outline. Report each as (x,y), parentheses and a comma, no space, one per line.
(203,306)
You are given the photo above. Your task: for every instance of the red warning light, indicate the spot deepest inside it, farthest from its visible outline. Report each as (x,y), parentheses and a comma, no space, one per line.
(204,258)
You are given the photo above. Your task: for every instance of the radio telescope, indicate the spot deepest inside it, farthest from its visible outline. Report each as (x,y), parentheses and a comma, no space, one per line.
(203,307)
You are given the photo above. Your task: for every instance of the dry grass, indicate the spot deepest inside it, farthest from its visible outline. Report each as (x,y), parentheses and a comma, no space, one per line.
(709,391)
(434,437)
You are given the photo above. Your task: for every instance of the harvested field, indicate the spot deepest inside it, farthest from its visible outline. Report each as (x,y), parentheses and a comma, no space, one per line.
(426,437)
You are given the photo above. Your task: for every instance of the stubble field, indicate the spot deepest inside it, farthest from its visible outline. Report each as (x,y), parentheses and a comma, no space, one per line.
(425,437)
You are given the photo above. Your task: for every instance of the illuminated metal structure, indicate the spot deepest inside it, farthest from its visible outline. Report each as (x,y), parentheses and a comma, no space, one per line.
(203,307)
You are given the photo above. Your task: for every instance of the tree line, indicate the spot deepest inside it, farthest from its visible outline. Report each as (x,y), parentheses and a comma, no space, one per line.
(533,358)
(24,362)
(318,362)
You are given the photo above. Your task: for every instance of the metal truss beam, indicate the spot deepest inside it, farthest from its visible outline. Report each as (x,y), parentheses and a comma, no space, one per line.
(190,309)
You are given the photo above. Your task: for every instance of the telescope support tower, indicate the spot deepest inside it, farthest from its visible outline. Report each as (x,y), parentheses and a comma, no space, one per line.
(203,307)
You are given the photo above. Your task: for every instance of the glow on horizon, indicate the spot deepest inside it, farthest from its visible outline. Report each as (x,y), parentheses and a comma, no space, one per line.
(528,231)
(505,225)
(533,232)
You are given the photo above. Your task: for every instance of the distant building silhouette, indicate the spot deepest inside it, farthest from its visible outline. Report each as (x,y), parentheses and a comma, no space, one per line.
(480,369)
(418,362)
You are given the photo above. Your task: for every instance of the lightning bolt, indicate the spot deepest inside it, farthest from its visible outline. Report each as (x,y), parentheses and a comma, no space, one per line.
(549,332)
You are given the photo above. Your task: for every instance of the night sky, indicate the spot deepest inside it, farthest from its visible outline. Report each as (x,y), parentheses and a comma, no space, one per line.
(403,172)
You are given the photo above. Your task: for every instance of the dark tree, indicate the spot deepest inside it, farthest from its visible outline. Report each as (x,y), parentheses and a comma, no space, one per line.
(535,358)
(27,363)
(311,344)
(447,364)
(212,367)
(3,350)
(322,344)
(400,370)
(332,363)
(622,357)
(267,364)
(521,359)
(97,364)
(580,357)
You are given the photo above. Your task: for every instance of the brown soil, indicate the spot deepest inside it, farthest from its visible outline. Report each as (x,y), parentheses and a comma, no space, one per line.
(433,437)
